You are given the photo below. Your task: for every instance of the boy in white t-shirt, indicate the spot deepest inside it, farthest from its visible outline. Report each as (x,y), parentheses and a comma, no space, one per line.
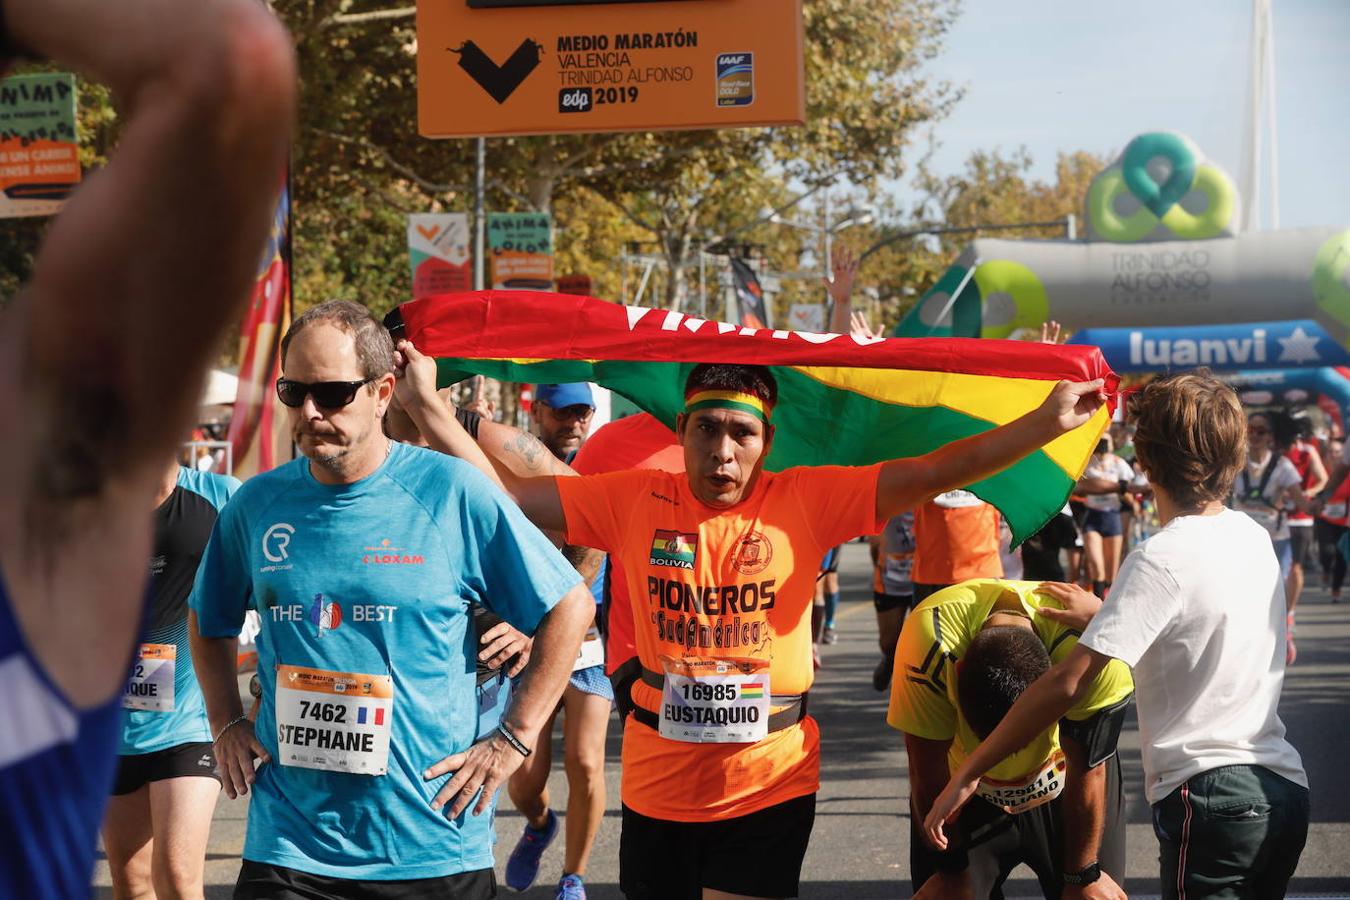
(1198,613)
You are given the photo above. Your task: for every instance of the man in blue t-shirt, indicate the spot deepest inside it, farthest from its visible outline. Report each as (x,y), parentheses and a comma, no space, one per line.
(363,560)
(159,818)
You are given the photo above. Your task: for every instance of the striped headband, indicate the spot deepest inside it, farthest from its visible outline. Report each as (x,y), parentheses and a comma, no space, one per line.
(737,400)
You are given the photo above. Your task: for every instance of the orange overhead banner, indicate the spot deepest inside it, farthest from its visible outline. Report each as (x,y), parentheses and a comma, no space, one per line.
(506,67)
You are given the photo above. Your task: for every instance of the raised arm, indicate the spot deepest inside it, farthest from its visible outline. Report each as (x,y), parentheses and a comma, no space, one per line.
(844,268)
(904,483)
(153,256)
(515,460)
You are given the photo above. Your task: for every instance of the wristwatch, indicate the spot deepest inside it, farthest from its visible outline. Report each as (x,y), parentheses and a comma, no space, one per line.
(1087,875)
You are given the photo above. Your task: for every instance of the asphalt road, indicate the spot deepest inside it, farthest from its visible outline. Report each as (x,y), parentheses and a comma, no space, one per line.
(860,845)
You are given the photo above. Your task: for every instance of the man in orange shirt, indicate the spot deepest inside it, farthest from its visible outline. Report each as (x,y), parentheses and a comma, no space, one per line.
(720,760)
(957,540)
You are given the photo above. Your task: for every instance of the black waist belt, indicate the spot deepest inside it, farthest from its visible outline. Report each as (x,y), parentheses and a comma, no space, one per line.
(793,706)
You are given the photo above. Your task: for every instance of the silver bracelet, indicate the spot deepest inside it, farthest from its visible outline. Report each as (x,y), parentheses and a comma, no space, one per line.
(233,722)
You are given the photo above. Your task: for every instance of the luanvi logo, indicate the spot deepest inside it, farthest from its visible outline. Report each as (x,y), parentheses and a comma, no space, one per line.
(500,81)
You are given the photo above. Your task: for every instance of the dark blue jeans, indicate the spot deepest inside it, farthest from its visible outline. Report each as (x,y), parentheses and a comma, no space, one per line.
(1231,832)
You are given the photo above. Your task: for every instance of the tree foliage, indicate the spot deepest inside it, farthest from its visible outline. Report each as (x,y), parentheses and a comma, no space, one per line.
(359,166)
(993,189)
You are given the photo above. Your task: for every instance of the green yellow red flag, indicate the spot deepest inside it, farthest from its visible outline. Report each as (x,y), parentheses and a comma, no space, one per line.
(842,400)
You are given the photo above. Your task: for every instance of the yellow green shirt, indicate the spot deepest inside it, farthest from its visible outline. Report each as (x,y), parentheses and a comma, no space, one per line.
(936,634)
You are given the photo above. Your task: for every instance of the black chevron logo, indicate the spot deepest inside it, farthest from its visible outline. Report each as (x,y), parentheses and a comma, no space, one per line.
(500,81)
(929,672)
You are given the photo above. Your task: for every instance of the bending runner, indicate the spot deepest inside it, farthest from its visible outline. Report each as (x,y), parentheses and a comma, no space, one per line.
(365,557)
(1196,613)
(159,818)
(956,539)
(101,364)
(721,761)
(1057,805)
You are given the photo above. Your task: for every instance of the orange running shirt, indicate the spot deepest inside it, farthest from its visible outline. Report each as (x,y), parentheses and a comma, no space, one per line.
(732,583)
(957,540)
(640,441)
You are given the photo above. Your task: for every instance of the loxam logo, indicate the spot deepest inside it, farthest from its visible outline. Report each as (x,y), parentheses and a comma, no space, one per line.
(385,553)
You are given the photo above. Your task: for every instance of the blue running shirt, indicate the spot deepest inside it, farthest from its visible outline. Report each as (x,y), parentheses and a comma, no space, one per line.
(364,590)
(56,769)
(162,713)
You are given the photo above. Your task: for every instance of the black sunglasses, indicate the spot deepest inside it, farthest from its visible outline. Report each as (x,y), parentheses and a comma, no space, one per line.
(327,394)
(579,411)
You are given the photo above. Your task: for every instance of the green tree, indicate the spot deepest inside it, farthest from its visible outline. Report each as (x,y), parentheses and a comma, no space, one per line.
(992,189)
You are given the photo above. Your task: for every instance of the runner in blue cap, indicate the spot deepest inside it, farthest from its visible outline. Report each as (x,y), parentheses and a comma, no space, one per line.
(562,415)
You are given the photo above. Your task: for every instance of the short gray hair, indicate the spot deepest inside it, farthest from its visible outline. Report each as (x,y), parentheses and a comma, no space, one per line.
(374,346)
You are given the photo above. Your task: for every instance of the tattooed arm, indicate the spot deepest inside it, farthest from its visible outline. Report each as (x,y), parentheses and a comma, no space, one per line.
(517,461)
(585,560)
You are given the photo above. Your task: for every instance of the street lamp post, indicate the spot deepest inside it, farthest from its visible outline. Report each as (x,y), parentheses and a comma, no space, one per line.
(827,229)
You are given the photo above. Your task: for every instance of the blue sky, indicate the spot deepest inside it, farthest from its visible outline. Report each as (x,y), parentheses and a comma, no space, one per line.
(1090,74)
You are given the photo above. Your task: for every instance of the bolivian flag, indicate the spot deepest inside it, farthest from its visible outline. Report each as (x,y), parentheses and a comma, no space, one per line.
(841,400)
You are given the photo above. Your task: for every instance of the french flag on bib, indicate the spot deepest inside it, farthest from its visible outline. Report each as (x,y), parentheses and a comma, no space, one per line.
(372,714)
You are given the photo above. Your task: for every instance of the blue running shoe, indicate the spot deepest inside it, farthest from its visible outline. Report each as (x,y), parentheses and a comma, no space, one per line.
(572,887)
(523,865)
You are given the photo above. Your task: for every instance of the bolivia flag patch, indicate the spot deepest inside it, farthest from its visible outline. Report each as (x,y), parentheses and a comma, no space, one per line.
(752,691)
(674,549)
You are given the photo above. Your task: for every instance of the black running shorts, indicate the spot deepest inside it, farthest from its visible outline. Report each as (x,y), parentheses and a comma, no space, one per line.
(887,602)
(989,843)
(1300,543)
(182,761)
(260,881)
(757,855)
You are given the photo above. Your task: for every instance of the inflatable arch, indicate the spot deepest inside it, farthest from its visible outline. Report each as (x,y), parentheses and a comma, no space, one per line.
(1294,387)
(1162,248)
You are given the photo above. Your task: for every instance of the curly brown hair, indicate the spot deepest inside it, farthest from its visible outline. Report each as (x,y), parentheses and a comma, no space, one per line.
(1190,436)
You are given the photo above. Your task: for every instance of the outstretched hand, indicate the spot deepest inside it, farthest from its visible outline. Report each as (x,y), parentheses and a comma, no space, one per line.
(844,266)
(946,808)
(1050,332)
(1079,605)
(1073,403)
(415,375)
(236,748)
(860,328)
